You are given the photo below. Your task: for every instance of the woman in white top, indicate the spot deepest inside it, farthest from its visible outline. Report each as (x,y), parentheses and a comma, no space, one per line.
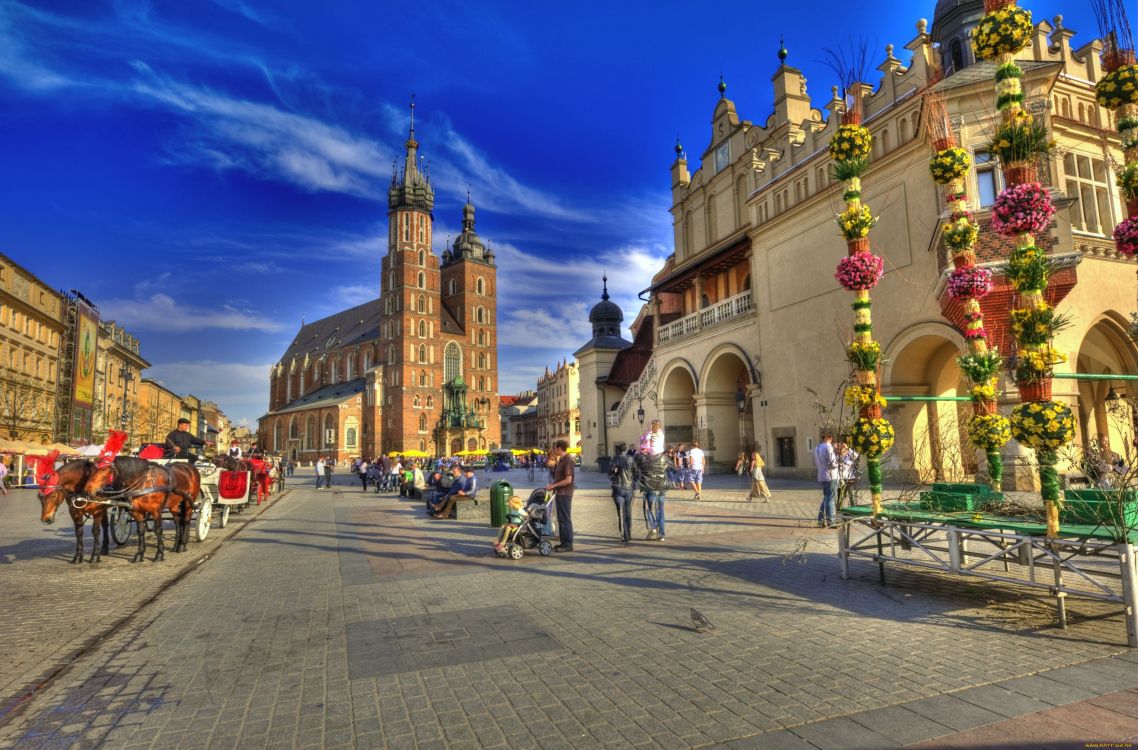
(758,479)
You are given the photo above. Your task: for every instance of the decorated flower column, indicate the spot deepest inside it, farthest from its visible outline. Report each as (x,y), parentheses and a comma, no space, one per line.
(968,284)
(1117,90)
(859,272)
(1022,211)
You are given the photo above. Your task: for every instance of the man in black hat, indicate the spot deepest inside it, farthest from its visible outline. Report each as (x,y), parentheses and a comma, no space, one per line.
(179,441)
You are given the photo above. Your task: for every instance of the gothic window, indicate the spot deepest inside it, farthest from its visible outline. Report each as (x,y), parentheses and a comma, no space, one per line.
(367,359)
(310,437)
(482,338)
(956,53)
(390,354)
(423,446)
(350,438)
(479,315)
(452,362)
(481,361)
(329,431)
(422,258)
(422,353)
(480,286)
(422,329)
(415,401)
(406,227)
(278,444)
(422,280)
(430,402)
(293,430)
(350,362)
(422,304)
(452,287)
(336,371)
(422,229)
(422,423)
(422,378)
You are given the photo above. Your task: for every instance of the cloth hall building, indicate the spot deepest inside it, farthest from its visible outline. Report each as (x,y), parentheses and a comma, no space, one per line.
(415,369)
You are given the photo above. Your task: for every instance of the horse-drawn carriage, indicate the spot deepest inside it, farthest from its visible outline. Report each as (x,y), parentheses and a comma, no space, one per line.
(222,492)
(124,495)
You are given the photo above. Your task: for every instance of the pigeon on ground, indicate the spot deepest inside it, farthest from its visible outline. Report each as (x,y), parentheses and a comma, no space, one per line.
(701,623)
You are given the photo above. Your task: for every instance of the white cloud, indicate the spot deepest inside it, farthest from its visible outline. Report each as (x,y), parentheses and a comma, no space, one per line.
(241,390)
(160,312)
(354,294)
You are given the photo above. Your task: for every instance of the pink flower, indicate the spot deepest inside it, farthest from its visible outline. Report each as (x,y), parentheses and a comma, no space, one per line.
(1022,209)
(860,271)
(1126,237)
(965,283)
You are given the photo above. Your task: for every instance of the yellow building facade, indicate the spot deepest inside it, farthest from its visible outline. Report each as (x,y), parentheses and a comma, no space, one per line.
(742,342)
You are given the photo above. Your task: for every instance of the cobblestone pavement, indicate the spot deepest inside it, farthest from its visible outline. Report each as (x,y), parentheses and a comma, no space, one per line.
(348,619)
(50,611)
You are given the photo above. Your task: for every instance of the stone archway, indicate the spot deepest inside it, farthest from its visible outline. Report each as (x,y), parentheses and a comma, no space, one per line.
(722,429)
(1107,350)
(676,403)
(932,440)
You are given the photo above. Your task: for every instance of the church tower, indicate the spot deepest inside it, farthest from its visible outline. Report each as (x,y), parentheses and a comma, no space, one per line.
(409,352)
(470,367)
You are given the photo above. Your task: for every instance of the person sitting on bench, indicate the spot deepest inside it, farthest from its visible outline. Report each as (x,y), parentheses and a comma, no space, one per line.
(464,488)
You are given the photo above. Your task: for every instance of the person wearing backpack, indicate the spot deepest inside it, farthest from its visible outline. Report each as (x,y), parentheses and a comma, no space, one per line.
(624,476)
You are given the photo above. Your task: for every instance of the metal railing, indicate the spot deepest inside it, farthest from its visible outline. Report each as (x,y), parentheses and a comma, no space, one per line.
(721,312)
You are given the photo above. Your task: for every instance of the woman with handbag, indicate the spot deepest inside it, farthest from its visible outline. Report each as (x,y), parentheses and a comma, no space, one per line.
(758,479)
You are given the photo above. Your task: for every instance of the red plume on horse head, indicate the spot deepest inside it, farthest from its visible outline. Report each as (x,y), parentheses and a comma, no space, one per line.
(46,476)
(116,439)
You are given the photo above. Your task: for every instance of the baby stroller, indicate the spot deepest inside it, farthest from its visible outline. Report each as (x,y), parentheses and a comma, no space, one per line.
(532,531)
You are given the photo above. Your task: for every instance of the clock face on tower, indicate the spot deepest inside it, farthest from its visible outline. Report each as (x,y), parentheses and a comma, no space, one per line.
(722,156)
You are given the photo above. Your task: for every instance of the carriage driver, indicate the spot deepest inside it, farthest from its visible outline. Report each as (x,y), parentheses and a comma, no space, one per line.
(179,442)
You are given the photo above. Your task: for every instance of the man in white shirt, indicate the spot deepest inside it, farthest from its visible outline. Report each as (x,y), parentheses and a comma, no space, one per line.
(319,466)
(826,462)
(695,468)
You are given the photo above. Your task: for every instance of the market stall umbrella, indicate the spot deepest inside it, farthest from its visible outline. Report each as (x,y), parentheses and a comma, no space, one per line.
(574,449)
(415,453)
(32,449)
(65,450)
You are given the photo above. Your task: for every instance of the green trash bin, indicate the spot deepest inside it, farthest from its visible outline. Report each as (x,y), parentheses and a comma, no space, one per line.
(500,493)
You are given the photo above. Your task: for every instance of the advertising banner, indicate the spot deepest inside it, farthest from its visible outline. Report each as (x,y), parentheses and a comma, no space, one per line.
(86,336)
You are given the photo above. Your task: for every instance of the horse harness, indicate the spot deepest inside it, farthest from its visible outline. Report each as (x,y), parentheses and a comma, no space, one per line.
(123,498)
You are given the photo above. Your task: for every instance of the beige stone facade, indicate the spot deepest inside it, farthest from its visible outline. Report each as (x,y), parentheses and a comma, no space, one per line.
(559,406)
(745,330)
(118,372)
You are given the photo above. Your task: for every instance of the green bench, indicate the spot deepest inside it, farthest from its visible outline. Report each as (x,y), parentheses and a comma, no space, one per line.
(956,497)
(1107,507)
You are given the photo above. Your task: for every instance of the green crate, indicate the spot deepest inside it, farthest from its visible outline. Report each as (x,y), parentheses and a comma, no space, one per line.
(950,502)
(1107,507)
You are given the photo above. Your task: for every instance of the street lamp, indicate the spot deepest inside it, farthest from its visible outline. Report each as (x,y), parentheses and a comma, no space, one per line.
(640,415)
(125,377)
(740,396)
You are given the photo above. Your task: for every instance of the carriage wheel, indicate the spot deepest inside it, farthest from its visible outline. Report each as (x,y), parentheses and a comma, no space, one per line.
(516,551)
(545,549)
(204,514)
(121,526)
(224,516)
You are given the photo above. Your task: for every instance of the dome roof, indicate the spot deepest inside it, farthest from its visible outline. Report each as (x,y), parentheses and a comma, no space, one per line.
(606,315)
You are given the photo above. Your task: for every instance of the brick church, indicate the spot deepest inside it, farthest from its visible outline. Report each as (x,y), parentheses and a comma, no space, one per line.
(415,369)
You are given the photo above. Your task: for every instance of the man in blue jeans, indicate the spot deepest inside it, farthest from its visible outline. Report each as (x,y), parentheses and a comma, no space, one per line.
(562,487)
(654,481)
(826,462)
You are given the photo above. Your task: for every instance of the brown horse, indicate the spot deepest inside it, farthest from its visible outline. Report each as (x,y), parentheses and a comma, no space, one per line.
(66,484)
(151,488)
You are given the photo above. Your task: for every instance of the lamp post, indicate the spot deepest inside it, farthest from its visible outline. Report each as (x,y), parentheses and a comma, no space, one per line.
(125,377)
(640,414)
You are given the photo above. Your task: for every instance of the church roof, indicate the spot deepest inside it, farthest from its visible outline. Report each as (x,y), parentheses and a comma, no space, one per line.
(329,395)
(356,325)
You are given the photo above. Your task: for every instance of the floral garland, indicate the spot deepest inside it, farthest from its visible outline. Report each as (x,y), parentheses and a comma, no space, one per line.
(989,432)
(969,281)
(1128,180)
(1045,426)
(859,271)
(1126,237)
(950,164)
(1118,87)
(1022,209)
(1002,32)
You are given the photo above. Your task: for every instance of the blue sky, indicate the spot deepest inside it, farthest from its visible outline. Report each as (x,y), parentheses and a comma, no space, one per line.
(210,172)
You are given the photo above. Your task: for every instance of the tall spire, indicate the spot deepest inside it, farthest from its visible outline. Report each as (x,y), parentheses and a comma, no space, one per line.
(412,187)
(411,165)
(605,280)
(411,133)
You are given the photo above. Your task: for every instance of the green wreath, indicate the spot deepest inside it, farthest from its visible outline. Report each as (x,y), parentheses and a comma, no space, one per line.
(872,437)
(851,143)
(1128,181)
(1118,87)
(1044,426)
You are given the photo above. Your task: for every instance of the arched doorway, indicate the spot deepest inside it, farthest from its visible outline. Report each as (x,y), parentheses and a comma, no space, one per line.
(932,437)
(455,446)
(723,429)
(1106,350)
(676,402)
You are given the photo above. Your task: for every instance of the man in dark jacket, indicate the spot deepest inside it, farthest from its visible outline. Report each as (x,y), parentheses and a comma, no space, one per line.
(654,482)
(625,476)
(179,441)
